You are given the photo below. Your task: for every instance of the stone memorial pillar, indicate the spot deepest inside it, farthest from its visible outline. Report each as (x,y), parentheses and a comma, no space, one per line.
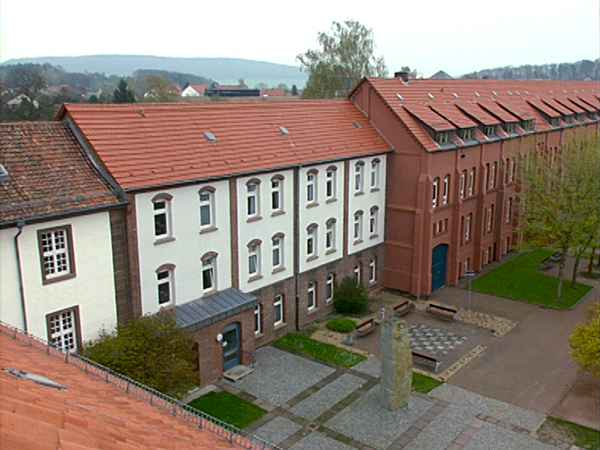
(396,364)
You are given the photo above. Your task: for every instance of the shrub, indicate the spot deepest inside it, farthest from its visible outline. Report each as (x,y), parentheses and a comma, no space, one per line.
(341,324)
(350,298)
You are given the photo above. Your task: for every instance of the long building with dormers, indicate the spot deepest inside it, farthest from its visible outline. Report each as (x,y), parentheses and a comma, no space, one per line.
(242,216)
(451,191)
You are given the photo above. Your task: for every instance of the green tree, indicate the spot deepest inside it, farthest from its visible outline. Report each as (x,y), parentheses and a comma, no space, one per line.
(346,55)
(585,341)
(160,89)
(123,94)
(350,297)
(152,350)
(559,197)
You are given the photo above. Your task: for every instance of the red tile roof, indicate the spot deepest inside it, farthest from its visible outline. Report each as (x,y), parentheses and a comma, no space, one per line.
(90,414)
(145,145)
(49,173)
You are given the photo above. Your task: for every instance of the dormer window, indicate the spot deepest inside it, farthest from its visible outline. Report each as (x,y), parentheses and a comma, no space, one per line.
(568,119)
(528,125)
(510,127)
(442,137)
(489,130)
(580,118)
(467,134)
(554,121)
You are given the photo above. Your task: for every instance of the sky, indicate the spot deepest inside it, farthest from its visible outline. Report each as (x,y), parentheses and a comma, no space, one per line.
(458,36)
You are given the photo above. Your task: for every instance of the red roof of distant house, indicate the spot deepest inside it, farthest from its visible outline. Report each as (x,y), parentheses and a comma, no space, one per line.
(48,173)
(199,88)
(145,145)
(488,101)
(90,414)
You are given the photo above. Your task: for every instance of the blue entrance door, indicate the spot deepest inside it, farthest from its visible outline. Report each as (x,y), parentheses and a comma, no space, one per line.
(438,266)
(231,346)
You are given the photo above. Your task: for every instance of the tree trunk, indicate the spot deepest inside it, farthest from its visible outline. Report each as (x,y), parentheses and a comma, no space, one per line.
(591,262)
(576,270)
(561,275)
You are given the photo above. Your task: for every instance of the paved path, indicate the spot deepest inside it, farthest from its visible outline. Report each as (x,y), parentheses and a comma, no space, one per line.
(334,408)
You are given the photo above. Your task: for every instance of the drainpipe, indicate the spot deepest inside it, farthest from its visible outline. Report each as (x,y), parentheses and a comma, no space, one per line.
(20,225)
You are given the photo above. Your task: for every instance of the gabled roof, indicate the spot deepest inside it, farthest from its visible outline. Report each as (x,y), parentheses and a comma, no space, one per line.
(48,173)
(487,102)
(145,145)
(90,414)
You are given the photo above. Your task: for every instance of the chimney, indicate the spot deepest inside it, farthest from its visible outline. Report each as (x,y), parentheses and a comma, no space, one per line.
(402,75)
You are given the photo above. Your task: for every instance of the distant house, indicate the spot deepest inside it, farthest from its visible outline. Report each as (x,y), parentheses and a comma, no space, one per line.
(440,74)
(273,93)
(194,90)
(59,227)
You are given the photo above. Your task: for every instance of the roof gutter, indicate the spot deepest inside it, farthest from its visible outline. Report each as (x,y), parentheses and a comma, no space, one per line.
(20,225)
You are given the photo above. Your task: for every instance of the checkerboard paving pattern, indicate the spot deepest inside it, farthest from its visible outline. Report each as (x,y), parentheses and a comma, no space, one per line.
(433,341)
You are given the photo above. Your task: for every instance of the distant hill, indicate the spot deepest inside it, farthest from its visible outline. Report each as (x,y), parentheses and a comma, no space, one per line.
(579,70)
(223,70)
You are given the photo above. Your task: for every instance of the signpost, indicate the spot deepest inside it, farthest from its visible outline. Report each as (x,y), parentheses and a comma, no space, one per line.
(469,274)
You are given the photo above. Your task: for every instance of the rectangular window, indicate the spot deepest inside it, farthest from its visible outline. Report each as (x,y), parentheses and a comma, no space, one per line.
(312,295)
(257,319)
(510,128)
(372,270)
(446,190)
(490,218)
(277,259)
(330,184)
(252,199)
(468,227)
(208,274)
(56,254)
(436,191)
(160,218)
(493,171)
(375,175)
(63,329)
(472,182)
(206,209)
(253,260)
(358,218)
(466,134)
(164,279)
(311,187)
(463,183)
(373,219)
(489,130)
(509,207)
(358,177)
(330,235)
(330,287)
(278,310)
(357,270)
(310,240)
(276,188)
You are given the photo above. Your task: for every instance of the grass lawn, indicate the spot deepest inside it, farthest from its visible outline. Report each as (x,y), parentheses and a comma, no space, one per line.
(585,437)
(320,350)
(229,408)
(424,384)
(518,279)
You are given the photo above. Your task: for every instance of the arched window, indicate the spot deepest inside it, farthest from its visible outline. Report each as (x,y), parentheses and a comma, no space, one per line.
(209,271)
(207,207)
(165,282)
(161,205)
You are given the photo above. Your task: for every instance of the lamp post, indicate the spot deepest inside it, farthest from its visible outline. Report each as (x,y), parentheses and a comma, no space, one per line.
(469,274)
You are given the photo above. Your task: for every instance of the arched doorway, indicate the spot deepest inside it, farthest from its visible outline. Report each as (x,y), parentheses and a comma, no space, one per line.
(438,266)
(231,346)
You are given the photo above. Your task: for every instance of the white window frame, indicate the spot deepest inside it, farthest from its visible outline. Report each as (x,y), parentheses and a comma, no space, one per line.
(374,221)
(472,174)
(468,220)
(257,318)
(330,183)
(253,199)
(311,297)
(165,276)
(209,266)
(161,205)
(359,172)
(311,186)
(330,235)
(330,288)
(207,204)
(357,273)
(311,240)
(278,310)
(254,259)
(463,183)
(493,171)
(436,192)
(358,226)
(509,207)
(375,169)
(446,189)
(277,251)
(63,329)
(277,194)
(373,270)
(56,254)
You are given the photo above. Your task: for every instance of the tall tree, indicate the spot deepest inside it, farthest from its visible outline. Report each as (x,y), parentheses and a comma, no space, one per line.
(123,94)
(160,89)
(346,55)
(559,196)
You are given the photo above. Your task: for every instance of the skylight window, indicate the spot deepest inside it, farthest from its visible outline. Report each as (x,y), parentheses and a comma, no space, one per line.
(399,96)
(527,93)
(430,95)
(210,137)
(518,93)
(477,94)
(356,124)
(510,93)
(284,130)
(39,379)
(455,94)
(495,93)
(3,171)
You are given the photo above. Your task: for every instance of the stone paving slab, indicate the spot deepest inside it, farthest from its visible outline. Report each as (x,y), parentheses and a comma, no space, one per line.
(328,396)
(483,405)
(493,437)
(440,433)
(277,430)
(366,421)
(369,366)
(318,441)
(280,376)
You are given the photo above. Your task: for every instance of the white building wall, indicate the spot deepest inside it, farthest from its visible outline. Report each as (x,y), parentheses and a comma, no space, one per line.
(263,226)
(365,199)
(188,245)
(319,212)
(92,289)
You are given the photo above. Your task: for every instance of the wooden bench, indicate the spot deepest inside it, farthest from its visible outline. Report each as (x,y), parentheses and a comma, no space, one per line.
(547,263)
(426,360)
(403,308)
(368,326)
(442,312)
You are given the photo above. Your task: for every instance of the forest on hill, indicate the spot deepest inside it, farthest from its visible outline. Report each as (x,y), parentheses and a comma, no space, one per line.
(580,70)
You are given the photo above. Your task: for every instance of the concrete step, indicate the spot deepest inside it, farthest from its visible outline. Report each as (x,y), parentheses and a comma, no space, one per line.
(238,372)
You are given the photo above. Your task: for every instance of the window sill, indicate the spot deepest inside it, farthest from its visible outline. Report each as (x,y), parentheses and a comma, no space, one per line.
(209,292)
(312,205)
(278,325)
(331,200)
(67,276)
(312,310)
(312,258)
(359,193)
(358,241)
(374,236)
(375,189)
(253,219)
(277,213)
(164,240)
(331,251)
(208,230)
(277,270)
(254,278)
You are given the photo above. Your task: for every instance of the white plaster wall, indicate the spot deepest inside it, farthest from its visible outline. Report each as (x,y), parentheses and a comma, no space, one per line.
(319,212)
(188,245)
(365,201)
(92,288)
(265,228)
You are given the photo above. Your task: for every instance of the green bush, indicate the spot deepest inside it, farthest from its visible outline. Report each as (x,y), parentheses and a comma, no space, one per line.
(350,298)
(341,324)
